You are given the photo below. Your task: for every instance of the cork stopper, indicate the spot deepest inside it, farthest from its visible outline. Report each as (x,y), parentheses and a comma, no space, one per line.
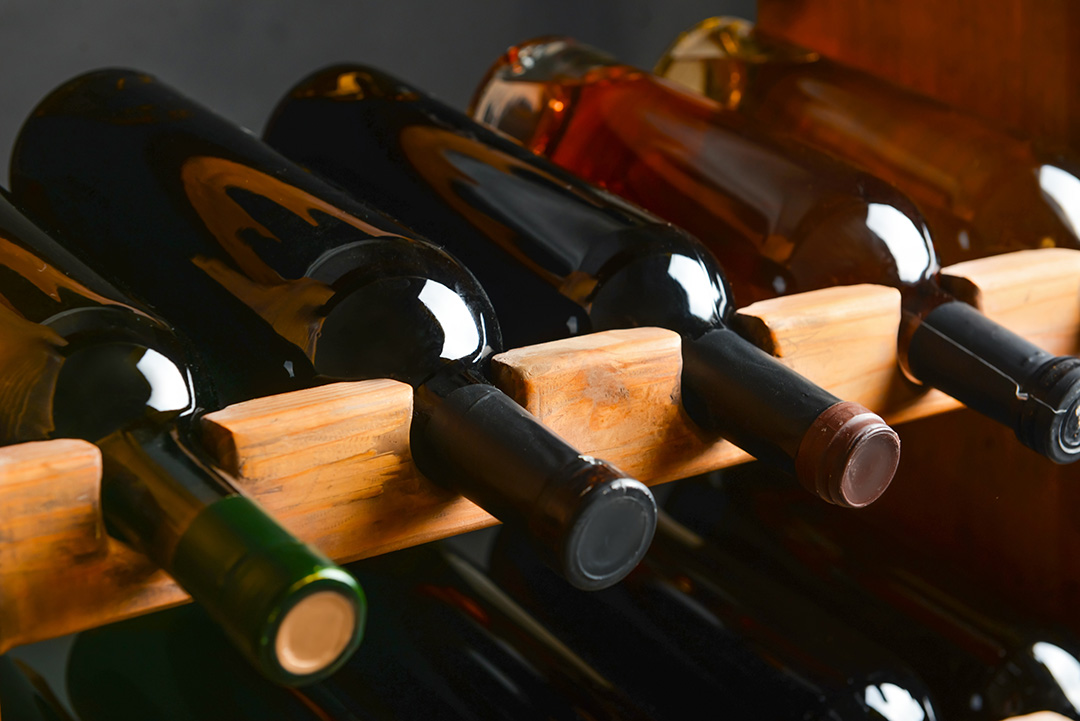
(849,455)
(315,632)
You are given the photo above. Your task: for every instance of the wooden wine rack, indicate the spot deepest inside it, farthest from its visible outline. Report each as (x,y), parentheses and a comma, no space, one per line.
(333,463)
(965,491)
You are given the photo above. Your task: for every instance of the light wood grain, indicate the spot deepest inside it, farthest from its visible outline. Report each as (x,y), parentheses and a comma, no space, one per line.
(1034,292)
(333,465)
(55,559)
(616,395)
(844,339)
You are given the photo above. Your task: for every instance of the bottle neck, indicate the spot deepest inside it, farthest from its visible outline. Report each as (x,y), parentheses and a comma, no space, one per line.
(838,450)
(586,519)
(990,369)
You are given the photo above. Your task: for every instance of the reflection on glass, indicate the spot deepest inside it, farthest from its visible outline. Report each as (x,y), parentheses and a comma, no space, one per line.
(168,387)
(461,336)
(1063,666)
(1064,190)
(895,703)
(910,247)
(703,295)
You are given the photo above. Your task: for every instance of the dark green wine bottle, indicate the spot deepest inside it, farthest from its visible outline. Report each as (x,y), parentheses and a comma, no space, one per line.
(449,645)
(284,281)
(79,360)
(699,626)
(25,696)
(560,257)
(982,658)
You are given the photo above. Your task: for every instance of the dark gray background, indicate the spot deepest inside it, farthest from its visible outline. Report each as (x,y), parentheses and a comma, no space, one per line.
(240,56)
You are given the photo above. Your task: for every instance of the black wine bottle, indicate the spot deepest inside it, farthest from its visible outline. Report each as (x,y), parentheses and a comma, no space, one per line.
(25,696)
(982,658)
(79,360)
(560,257)
(697,625)
(235,244)
(449,645)
(792,217)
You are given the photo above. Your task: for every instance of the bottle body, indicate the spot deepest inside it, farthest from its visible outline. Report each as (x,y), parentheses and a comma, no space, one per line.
(789,217)
(982,658)
(695,625)
(982,190)
(449,645)
(81,361)
(286,281)
(562,257)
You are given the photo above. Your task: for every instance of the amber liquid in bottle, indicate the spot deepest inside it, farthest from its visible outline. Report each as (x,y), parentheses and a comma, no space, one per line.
(982,190)
(781,217)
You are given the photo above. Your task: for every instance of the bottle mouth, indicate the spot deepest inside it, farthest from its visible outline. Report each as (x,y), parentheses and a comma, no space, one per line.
(1050,411)
(609,534)
(849,456)
(315,632)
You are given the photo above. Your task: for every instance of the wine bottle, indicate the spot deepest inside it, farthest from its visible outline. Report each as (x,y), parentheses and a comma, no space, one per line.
(232,241)
(449,645)
(982,190)
(559,256)
(79,360)
(789,217)
(982,658)
(698,626)
(25,696)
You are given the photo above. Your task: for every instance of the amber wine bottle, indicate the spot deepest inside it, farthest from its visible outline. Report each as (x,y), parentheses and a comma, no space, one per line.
(449,644)
(284,281)
(559,257)
(982,658)
(982,190)
(25,696)
(79,360)
(784,218)
(701,626)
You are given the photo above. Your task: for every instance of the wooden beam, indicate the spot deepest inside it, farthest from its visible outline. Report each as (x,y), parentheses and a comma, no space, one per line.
(333,463)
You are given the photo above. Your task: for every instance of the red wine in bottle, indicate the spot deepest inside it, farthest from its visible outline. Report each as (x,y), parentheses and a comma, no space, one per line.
(699,626)
(25,696)
(982,190)
(449,645)
(79,360)
(558,256)
(233,243)
(982,658)
(782,217)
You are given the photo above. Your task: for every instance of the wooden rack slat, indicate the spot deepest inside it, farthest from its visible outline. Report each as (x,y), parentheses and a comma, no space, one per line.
(333,463)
